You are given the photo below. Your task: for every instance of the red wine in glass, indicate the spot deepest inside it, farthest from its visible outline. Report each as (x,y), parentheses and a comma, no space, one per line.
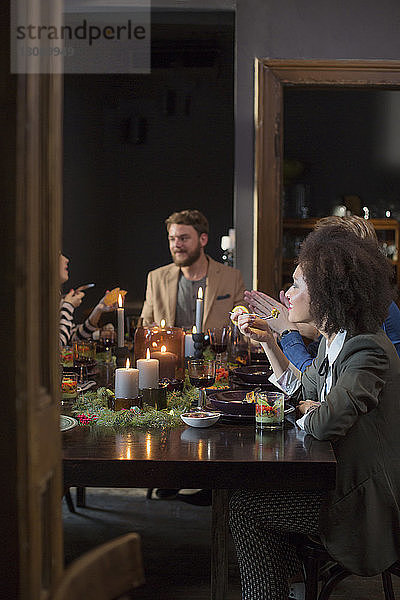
(219,337)
(202,382)
(218,348)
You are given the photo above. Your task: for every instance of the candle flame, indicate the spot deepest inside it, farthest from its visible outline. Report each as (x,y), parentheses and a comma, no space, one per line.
(120,301)
(154,344)
(162,323)
(163,349)
(148,353)
(127,364)
(200,293)
(194,329)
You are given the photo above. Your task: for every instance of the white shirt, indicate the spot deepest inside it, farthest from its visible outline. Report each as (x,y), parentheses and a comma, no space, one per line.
(289,383)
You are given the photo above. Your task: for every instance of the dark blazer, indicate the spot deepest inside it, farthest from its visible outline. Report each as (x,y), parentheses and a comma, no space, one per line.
(360,524)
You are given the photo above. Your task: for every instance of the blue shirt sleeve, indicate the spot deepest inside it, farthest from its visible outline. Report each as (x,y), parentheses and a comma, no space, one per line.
(295,350)
(391,326)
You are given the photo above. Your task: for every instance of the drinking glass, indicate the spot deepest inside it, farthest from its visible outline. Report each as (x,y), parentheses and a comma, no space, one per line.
(69,387)
(84,353)
(66,356)
(269,410)
(219,337)
(201,375)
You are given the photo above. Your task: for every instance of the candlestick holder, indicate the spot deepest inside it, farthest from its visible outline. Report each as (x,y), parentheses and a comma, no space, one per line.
(125,403)
(156,397)
(121,354)
(167,345)
(198,341)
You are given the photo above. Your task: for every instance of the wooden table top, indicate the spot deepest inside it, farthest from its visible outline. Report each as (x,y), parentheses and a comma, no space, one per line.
(218,457)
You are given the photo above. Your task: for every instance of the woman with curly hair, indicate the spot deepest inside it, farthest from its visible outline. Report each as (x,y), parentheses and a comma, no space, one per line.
(342,286)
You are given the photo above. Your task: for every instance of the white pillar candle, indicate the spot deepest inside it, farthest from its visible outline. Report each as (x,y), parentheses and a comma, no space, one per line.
(126,382)
(148,371)
(120,322)
(189,343)
(199,310)
(168,362)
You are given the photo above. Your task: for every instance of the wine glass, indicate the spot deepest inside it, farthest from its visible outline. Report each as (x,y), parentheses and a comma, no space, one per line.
(219,337)
(201,375)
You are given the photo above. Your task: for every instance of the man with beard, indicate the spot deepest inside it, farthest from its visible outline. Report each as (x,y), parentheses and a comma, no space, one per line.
(172,290)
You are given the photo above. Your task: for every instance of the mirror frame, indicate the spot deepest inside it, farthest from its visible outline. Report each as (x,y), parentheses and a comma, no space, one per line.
(271,77)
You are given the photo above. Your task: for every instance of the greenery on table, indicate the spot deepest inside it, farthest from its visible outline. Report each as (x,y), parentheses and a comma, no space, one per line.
(91,408)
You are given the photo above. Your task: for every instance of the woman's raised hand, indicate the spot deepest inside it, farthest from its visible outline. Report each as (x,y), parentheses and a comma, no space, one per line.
(262,304)
(103,307)
(74,298)
(254,328)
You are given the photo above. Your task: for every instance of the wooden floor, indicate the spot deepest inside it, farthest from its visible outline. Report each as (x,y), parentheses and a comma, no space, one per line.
(176,545)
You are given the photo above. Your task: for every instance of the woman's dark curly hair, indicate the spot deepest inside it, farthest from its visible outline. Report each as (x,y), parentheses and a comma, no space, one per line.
(349,281)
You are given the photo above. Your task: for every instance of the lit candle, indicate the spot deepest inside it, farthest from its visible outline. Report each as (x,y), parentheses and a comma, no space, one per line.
(148,371)
(189,344)
(168,362)
(162,323)
(120,320)
(127,382)
(199,310)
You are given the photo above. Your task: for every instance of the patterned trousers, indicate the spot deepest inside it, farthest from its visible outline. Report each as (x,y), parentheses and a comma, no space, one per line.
(261,522)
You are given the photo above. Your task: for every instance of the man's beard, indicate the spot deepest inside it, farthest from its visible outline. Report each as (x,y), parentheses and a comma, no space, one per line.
(189,258)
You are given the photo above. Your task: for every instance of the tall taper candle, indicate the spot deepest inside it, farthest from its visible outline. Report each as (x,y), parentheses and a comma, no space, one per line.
(120,321)
(199,310)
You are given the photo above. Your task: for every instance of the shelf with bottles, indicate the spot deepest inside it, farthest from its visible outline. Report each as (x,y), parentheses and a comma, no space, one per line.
(295,230)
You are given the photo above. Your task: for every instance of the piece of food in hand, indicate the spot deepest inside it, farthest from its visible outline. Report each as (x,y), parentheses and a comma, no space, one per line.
(275,313)
(112,297)
(238,309)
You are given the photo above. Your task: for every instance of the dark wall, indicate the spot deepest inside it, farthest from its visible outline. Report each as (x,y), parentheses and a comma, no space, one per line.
(297,29)
(139,147)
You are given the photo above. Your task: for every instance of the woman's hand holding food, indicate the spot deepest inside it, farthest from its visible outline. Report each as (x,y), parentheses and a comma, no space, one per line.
(254,328)
(108,303)
(74,297)
(263,305)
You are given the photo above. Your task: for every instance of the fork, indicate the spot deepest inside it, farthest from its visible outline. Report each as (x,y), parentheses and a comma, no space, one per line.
(258,316)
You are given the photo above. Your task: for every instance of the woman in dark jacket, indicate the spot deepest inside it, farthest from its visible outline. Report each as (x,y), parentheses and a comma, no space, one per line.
(351,398)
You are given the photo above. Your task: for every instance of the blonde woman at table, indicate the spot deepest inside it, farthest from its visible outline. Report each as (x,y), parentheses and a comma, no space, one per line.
(69,331)
(351,398)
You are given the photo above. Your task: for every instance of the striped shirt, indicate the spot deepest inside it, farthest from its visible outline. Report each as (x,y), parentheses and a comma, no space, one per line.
(69,332)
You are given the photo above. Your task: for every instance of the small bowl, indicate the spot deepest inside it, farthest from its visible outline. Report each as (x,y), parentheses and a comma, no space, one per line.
(196,419)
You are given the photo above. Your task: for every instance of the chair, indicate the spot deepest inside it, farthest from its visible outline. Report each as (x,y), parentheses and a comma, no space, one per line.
(104,573)
(320,566)
(80,498)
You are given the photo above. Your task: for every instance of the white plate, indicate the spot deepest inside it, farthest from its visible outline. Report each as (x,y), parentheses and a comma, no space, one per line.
(207,421)
(67,423)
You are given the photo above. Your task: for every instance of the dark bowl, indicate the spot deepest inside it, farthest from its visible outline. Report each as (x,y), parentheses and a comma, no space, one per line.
(231,402)
(254,373)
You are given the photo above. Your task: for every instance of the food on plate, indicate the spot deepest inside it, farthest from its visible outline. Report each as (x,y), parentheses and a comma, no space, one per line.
(238,309)
(197,415)
(112,297)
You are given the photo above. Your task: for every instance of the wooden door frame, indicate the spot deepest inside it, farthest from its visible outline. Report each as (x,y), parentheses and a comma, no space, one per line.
(31,554)
(271,77)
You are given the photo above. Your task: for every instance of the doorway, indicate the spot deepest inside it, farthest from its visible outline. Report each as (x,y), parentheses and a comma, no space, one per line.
(277,81)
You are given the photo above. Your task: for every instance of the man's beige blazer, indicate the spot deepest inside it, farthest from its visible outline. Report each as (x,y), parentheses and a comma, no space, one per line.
(224,290)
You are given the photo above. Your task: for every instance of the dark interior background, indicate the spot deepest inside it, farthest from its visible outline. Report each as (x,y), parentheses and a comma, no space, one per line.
(138,147)
(348,141)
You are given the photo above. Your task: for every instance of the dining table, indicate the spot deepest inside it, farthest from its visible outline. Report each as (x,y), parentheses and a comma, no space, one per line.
(227,456)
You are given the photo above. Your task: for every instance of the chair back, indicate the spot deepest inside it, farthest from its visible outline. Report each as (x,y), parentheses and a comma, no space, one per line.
(104,573)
